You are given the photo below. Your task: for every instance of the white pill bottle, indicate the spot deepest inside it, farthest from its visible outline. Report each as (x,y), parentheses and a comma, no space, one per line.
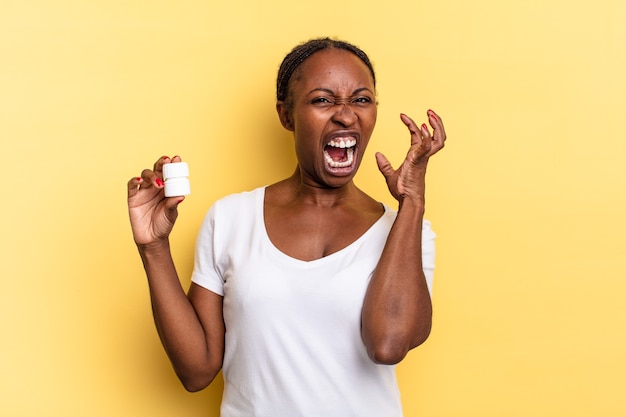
(176,182)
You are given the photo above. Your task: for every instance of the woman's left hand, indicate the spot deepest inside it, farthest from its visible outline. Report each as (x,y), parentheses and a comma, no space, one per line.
(408,181)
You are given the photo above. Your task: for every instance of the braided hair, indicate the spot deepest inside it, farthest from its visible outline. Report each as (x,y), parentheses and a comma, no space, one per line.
(303,51)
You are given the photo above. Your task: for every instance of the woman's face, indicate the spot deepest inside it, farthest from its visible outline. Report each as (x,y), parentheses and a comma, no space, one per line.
(332,117)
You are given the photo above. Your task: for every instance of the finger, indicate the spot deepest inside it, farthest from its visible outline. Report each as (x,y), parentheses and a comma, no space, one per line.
(384,165)
(427,141)
(416,135)
(437,125)
(150,178)
(158,165)
(171,207)
(171,204)
(133,186)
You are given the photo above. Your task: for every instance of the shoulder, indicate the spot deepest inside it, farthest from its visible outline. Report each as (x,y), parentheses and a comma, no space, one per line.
(389,215)
(236,204)
(233,208)
(237,200)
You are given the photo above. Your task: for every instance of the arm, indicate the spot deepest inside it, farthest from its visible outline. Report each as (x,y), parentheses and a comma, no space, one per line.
(191,327)
(397,310)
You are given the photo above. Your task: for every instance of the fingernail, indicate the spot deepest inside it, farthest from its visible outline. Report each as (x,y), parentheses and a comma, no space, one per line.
(159,182)
(180,201)
(166,157)
(137,178)
(424,127)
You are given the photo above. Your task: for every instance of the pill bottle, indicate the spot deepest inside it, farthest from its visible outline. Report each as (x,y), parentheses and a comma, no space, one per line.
(176,182)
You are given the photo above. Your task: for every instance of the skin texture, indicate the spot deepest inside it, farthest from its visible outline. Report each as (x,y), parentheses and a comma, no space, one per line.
(315,212)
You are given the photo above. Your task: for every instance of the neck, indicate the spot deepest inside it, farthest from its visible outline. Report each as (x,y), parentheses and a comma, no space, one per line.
(308,192)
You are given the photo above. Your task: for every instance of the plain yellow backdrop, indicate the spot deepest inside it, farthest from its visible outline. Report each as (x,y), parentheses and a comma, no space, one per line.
(528,198)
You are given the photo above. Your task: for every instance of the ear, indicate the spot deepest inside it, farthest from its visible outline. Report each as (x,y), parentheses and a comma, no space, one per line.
(284,114)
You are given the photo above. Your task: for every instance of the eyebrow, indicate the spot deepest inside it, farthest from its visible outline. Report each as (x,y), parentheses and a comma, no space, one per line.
(331,92)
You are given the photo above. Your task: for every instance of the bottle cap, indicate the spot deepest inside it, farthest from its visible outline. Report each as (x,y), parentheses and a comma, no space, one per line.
(175,169)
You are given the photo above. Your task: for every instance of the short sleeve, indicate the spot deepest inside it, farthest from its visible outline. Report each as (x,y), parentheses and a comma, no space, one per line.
(206,272)
(428,254)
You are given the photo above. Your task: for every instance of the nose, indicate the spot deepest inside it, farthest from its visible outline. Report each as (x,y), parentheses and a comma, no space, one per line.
(345,115)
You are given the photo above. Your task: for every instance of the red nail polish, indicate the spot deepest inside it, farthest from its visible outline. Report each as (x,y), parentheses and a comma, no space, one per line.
(165,157)
(159,182)
(424,126)
(137,178)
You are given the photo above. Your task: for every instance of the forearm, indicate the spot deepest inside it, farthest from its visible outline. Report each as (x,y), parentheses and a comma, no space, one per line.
(177,323)
(397,309)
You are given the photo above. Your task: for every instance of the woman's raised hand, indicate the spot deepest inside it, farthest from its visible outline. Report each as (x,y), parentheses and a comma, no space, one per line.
(152,215)
(408,181)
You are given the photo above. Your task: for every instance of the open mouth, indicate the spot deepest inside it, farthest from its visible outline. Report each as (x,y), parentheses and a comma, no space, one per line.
(339,152)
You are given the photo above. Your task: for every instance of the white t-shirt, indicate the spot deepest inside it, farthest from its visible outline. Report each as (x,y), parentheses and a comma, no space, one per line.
(293,342)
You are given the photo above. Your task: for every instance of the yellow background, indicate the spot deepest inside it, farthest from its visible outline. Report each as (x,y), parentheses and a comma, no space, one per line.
(527,198)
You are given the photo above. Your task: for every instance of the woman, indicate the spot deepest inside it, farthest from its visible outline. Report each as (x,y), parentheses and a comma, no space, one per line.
(307,290)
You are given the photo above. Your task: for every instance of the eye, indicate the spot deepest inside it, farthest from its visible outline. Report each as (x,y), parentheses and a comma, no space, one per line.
(362,100)
(321,101)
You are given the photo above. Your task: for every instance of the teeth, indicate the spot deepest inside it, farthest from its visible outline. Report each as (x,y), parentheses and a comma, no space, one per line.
(342,143)
(346,163)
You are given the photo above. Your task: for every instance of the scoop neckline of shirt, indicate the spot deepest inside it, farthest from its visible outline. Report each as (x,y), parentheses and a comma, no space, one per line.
(260,213)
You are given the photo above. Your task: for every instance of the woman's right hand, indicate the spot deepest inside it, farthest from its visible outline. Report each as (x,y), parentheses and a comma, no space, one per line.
(152,215)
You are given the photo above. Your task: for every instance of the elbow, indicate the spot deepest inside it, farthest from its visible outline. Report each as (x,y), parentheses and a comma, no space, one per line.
(387,355)
(196,383)
(193,386)
(197,379)
(391,352)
